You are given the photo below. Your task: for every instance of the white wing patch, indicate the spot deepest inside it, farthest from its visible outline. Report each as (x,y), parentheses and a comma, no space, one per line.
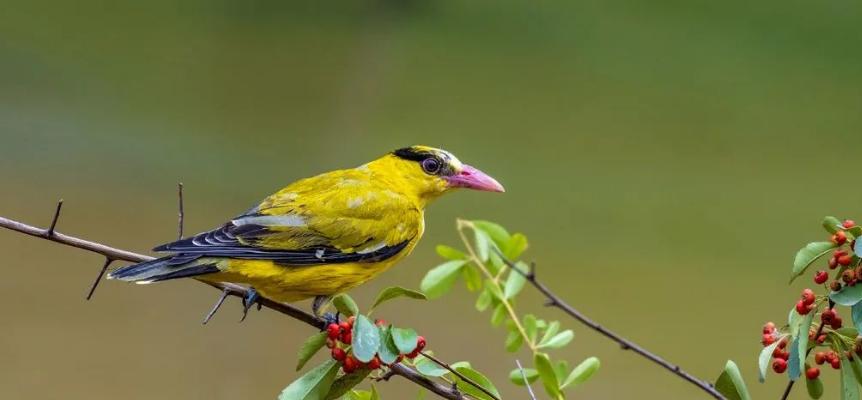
(292,220)
(372,248)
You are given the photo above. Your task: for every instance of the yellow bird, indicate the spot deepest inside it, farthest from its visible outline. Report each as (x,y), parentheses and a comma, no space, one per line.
(323,235)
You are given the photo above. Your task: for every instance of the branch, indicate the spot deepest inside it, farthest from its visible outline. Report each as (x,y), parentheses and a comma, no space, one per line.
(112,254)
(555,301)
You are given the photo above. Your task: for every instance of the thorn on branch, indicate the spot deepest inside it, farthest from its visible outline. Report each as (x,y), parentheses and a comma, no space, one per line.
(219,302)
(181,213)
(50,231)
(625,346)
(531,274)
(95,284)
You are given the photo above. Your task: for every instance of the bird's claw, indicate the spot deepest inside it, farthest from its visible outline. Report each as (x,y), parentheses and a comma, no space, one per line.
(330,318)
(248,301)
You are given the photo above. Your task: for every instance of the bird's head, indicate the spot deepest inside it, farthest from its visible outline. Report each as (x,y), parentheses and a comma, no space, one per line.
(432,172)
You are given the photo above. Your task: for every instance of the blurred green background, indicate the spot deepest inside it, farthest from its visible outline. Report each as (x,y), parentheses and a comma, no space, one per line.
(666,159)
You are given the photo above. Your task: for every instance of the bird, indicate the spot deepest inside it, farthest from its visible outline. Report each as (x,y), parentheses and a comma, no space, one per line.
(319,236)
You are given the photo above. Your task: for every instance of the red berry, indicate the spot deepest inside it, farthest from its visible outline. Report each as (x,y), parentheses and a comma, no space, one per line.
(821,339)
(338,354)
(848,276)
(819,357)
(821,277)
(808,296)
(812,373)
(833,262)
(837,322)
(835,286)
(374,363)
(839,238)
(420,343)
(838,253)
(845,260)
(835,363)
(779,365)
(413,354)
(827,316)
(767,339)
(346,337)
(783,343)
(345,327)
(768,327)
(802,308)
(350,364)
(380,322)
(848,223)
(332,331)
(330,343)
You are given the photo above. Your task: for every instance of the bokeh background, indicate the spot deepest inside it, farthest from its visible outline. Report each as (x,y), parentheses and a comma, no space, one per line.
(666,159)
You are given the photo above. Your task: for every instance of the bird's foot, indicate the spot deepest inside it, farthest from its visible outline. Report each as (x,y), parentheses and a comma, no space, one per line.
(318,303)
(330,318)
(248,301)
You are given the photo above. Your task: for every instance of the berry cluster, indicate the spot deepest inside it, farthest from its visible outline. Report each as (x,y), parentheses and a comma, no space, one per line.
(339,337)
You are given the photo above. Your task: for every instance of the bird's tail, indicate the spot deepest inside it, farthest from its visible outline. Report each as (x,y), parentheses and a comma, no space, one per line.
(165,268)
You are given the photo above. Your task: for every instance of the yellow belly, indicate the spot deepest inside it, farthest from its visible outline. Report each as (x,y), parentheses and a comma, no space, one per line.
(294,283)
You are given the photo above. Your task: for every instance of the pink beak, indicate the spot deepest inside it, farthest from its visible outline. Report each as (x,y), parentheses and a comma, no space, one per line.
(472,178)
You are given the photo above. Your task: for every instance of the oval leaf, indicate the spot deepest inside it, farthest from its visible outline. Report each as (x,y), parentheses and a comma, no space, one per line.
(516,280)
(483,244)
(802,339)
(730,383)
(439,280)
(429,368)
(807,255)
(832,224)
(450,253)
(313,385)
(847,296)
(387,351)
(345,305)
(548,375)
(582,372)
(346,382)
(517,378)
(477,378)
(517,245)
(405,339)
(849,387)
(497,233)
(763,360)
(559,340)
(366,339)
(395,292)
(815,388)
(309,348)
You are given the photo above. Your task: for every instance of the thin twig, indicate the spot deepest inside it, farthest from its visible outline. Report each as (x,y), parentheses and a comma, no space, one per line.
(526,382)
(181,214)
(50,231)
(108,261)
(459,375)
(816,335)
(217,305)
(233,290)
(625,344)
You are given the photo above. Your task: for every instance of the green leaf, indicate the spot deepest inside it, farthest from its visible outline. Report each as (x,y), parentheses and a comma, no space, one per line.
(387,351)
(483,244)
(730,383)
(582,372)
(562,370)
(439,280)
(517,245)
(450,253)
(847,296)
(429,368)
(559,340)
(807,255)
(547,374)
(346,382)
(849,386)
(517,378)
(405,339)
(802,339)
(309,348)
(832,224)
(479,379)
(763,360)
(359,395)
(794,370)
(393,292)
(550,332)
(484,300)
(472,278)
(514,341)
(815,388)
(856,364)
(345,305)
(366,339)
(313,385)
(515,281)
(499,314)
(497,233)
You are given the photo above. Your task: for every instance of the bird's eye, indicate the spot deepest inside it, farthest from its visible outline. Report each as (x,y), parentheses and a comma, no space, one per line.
(431,165)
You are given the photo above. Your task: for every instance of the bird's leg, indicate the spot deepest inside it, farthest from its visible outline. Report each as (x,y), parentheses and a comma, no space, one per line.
(250,298)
